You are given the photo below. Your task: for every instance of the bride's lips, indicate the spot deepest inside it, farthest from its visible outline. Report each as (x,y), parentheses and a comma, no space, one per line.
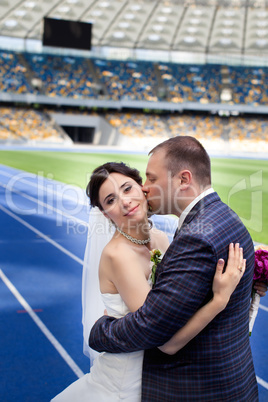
(132,211)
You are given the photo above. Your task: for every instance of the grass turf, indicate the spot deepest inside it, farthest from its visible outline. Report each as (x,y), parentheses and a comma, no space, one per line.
(241,183)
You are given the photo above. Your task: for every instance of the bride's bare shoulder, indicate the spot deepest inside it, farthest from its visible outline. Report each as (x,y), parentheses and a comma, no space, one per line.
(159,239)
(116,250)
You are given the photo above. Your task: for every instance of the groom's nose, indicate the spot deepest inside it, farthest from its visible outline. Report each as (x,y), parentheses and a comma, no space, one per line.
(145,188)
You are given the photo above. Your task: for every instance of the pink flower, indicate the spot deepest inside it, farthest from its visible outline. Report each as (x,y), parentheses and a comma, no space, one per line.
(261,266)
(261,275)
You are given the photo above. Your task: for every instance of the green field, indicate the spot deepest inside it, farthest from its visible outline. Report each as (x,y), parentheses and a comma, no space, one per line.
(241,183)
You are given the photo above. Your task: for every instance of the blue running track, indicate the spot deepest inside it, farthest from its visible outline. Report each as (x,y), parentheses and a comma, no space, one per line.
(43,235)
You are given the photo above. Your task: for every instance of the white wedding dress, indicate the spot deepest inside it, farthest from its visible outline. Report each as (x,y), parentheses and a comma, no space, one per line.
(113,376)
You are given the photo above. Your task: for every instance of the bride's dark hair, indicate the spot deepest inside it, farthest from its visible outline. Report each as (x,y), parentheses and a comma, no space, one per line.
(101,173)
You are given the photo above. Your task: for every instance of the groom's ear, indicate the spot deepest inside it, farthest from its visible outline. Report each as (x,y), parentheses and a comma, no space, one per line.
(185,179)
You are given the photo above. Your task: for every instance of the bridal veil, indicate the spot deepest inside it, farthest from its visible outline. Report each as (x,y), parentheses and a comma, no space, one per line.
(99,234)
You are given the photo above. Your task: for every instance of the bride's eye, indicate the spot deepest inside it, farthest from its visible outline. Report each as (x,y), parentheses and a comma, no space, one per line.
(110,201)
(127,189)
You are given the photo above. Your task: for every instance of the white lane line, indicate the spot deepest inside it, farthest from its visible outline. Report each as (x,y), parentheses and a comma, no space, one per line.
(263,383)
(49,185)
(263,307)
(43,204)
(66,357)
(45,237)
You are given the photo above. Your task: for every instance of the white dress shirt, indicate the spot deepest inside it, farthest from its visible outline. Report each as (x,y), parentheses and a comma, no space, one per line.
(186,211)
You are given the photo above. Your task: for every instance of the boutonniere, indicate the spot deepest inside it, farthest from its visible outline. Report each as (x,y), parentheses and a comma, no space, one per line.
(156,257)
(261,275)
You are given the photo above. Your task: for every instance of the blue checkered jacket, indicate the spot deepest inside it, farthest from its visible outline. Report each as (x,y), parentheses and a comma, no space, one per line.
(217,364)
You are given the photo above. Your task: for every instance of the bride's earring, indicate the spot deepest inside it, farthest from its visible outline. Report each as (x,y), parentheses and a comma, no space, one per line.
(150,223)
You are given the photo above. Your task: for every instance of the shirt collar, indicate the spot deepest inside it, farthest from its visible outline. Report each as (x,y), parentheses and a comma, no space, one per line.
(192,204)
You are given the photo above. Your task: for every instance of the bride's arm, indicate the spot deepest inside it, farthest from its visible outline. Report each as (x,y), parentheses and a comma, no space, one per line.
(127,274)
(223,286)
(123,266)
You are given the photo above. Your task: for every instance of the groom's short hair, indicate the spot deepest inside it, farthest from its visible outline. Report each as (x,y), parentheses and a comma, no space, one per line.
(186,152)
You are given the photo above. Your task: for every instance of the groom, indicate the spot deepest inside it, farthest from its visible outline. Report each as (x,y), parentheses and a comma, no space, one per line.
(217,364)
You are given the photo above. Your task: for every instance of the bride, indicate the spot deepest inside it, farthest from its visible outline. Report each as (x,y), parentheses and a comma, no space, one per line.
(125,281)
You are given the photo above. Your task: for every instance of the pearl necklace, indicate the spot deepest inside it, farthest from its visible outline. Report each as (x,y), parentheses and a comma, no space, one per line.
(132,239)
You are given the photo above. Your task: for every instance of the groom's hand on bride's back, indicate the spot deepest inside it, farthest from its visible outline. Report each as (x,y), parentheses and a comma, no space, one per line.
(261,288)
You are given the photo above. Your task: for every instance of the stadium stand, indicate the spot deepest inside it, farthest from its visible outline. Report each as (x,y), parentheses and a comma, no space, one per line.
(20,124)
(191,83)
(174,57)
(249,133)
(82,78)
(249,85)
(201,126)
(130,80)
(138,125)
(61,76)
(13,77)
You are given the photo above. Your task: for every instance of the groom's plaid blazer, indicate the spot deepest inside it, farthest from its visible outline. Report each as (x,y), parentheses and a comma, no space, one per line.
(217,364)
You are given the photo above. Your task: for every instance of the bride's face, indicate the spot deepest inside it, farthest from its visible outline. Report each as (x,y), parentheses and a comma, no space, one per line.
(122,200)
